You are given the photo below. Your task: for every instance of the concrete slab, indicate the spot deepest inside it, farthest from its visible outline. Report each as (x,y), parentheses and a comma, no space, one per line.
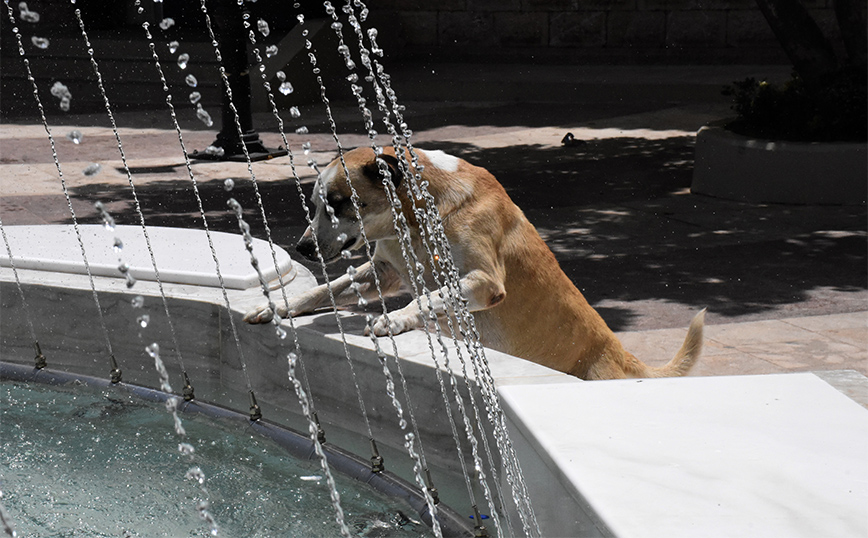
(181,256)
(811,343)
(777,455)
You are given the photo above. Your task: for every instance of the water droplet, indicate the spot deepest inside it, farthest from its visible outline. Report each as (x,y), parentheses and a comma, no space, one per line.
(214,150)
(363,302)
(294,112)
(167,23)
(195,97)
(153,350)
(300,18)
(270,51)
(92,169)
(74,137)
(27,15)
(342,238)
(311,478)
(337,26)
(286,88)
(302,130)
(263,28)
(351,270)
(137,302)
(186,449)
(353,77)
(346,254)
(59,90)
(143,320)
(281,76)
(195,473)
(182,60)
(280,332)
(118,245)
(173,47)
(191,80)
(229,184)
(108,222)
(203,115)
(124,268)
(64,103)
(306,148)
(39,42)
(372,36)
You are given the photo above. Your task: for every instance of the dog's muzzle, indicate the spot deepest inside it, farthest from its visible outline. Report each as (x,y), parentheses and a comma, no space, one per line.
(307,248)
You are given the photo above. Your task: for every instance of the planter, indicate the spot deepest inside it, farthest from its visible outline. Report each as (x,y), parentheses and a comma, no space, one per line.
(736,167)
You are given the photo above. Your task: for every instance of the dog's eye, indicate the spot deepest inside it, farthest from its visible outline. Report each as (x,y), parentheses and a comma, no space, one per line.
(341,205)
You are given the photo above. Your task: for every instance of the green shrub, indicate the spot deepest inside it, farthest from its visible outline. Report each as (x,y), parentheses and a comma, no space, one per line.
(835,111)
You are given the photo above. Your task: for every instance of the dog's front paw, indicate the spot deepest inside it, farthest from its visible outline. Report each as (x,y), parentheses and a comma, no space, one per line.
(260,314)
(264,314)
(396,324)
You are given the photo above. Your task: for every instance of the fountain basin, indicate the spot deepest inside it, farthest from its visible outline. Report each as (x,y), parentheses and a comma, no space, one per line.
(63,311)
(262,480)
(558,424)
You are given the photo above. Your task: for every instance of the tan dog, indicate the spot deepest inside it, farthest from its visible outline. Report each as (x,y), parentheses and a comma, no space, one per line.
(522,302)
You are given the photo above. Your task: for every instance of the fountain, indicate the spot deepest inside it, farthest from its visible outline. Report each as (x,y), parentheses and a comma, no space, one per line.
(142,256)
(115,308)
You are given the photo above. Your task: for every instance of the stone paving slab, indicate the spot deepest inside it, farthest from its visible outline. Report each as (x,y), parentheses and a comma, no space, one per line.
(832,342)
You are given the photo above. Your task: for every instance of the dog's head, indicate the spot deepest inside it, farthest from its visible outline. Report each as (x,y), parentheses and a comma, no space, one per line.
(336,221)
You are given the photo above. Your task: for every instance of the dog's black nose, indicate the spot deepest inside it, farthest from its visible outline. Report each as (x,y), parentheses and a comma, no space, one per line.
(307,248)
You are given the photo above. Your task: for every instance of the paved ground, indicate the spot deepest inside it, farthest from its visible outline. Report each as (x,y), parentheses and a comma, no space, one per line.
(785,286)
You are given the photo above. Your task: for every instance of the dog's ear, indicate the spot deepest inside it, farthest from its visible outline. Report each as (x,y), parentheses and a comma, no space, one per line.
(372,169)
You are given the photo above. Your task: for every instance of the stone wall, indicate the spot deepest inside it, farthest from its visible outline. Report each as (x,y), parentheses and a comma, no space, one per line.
(629,30)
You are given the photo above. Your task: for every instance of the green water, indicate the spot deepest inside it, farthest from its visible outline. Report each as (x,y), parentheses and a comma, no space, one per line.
(79,463)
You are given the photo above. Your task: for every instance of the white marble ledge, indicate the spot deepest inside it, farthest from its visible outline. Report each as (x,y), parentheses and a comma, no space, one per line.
(182,256)
(772,456)
(413,346)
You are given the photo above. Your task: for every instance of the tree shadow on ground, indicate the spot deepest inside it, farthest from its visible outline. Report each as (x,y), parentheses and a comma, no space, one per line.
(615,212)
(173,203)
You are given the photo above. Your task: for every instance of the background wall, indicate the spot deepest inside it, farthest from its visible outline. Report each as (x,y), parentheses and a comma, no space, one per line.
(694,31)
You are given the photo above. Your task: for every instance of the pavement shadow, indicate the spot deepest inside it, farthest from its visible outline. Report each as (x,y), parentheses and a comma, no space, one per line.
(174,203)
(618,216)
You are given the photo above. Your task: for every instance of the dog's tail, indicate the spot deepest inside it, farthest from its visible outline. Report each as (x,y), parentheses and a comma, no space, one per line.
(688,354)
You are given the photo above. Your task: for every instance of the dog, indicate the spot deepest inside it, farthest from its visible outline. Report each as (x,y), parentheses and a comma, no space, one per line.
(521,301)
